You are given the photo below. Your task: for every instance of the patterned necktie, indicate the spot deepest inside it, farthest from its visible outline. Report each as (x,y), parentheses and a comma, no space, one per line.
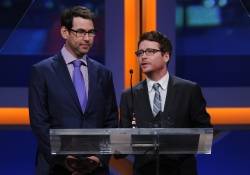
(79,84)
(157,99)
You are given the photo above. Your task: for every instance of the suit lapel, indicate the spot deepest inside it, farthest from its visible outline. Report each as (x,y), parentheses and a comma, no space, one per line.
(170,94)
(92,81)
(63,74)
(145,101)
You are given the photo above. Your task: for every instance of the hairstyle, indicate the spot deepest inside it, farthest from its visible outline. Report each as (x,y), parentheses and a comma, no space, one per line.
(76,11)
(164,42)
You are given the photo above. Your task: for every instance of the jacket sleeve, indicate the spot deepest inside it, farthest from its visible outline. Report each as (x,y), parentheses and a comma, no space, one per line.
(199,116)
(125,113)
(38,111)
(111,113)
(111,109)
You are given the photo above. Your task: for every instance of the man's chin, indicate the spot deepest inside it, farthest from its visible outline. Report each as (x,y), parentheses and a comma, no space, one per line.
(84,52)
(146,71)
(84,49)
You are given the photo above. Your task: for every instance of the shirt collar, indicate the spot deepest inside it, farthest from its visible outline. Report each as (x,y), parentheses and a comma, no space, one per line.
(163,82)
(69,58)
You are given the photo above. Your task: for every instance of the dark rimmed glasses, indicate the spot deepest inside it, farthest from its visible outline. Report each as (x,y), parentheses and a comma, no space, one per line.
(148,52)
(82,33)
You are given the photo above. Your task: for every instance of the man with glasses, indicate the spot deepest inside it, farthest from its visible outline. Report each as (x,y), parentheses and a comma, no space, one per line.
(162,101)
(70,90)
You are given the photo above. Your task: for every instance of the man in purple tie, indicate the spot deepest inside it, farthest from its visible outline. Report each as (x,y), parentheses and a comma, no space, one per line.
(70,90)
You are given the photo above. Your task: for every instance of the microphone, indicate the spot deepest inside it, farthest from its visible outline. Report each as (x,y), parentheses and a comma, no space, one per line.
(133,123)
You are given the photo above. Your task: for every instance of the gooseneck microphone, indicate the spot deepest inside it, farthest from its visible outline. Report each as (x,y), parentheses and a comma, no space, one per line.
(133,122)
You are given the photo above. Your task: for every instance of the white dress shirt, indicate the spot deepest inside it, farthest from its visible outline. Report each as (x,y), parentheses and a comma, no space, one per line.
(163,90)
(69,58)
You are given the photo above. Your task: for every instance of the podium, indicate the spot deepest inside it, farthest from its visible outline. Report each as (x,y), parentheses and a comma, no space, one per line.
(154,141)
(131,141)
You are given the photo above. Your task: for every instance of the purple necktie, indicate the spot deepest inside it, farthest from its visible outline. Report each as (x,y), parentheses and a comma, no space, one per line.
(79,84)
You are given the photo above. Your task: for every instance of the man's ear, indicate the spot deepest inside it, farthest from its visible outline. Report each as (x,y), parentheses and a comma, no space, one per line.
(64,32)
(166,57)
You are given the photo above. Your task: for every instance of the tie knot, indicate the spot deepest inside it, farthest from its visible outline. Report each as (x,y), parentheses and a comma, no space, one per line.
(156,86)
(77,63)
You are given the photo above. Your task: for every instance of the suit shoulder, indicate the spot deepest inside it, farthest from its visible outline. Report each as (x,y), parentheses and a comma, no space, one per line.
(135,88)
(98,65)
(45,63)
(139,86)
(177,81)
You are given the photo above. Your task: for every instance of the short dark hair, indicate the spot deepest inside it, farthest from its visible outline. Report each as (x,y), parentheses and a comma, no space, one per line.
(164,42)
(76,11)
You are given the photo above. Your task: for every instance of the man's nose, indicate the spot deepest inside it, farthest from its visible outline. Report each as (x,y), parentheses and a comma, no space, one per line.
(86,37)
(144,56)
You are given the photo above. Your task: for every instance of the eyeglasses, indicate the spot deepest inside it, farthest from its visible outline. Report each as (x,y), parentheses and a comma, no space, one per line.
(82,33)
(148,52)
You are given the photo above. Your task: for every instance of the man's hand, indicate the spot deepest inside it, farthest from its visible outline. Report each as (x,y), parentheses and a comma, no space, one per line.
(81,166)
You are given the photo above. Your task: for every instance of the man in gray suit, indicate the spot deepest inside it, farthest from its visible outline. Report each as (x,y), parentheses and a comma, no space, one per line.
(162,100)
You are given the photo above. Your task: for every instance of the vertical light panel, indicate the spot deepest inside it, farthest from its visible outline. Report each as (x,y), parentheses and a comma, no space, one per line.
(134,24)
(131,35)
(148,18)
(148,15)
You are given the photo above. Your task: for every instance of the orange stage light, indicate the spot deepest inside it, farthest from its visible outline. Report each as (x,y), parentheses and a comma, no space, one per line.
(219,116)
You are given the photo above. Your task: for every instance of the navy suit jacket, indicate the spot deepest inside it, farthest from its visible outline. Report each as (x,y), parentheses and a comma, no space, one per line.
(185,107)
(53,103)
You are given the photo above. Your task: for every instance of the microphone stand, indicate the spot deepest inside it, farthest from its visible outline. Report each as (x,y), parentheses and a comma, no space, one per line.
(157,124)
(156,150)
(133,122)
